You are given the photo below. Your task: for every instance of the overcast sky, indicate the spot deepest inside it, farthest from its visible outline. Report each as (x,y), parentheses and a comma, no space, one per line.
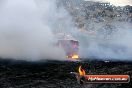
(116,2)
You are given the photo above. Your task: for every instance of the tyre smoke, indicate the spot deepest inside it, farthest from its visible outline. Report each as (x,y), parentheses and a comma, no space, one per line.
(26,29)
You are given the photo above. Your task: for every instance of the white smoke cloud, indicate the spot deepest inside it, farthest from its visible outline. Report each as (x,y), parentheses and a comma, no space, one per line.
(116,2)
(26,29)
(26,33)
(117,47)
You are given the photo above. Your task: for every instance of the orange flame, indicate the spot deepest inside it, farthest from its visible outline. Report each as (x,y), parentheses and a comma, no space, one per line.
(81,71)
(75,56)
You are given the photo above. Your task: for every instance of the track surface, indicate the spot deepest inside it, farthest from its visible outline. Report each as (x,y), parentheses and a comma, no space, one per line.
(56,74)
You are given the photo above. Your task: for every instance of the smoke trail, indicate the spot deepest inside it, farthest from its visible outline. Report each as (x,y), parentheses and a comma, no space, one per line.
(26,29)
(117,47)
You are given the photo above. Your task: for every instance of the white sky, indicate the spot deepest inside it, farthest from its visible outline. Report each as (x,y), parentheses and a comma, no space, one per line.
(116,2)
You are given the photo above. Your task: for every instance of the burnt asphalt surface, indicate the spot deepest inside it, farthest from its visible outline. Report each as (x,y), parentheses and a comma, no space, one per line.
(56,74)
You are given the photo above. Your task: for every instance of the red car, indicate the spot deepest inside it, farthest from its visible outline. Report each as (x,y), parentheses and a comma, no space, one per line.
(70,46)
